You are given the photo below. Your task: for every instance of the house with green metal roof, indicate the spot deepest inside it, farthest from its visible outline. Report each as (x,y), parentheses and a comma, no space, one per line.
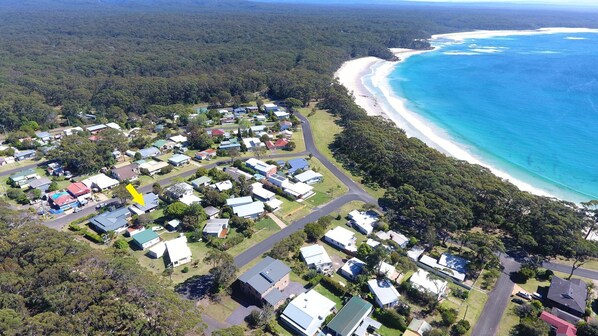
(23,177)
(163,145)
(145,239)
(352,319)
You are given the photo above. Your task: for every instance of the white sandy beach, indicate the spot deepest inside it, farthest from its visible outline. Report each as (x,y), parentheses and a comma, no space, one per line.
(352,74)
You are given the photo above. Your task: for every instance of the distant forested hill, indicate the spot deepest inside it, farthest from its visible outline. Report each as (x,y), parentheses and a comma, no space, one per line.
(118,57)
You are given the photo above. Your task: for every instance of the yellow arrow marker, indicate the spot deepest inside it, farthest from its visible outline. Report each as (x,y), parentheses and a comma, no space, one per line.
(137,197)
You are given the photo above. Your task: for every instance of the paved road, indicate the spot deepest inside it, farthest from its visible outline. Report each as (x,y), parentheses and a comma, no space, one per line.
(20,167)
(582,272)
(498,300)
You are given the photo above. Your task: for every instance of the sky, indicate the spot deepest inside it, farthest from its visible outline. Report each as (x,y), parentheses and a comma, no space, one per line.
(552,2)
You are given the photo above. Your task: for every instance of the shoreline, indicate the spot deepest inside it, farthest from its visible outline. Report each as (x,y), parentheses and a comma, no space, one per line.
(379,100)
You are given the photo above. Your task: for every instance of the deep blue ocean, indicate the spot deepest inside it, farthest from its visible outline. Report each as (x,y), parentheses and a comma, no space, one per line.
(527,105)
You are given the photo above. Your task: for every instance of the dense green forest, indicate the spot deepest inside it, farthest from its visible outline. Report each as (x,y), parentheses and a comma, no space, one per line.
(120,58)
(53,285)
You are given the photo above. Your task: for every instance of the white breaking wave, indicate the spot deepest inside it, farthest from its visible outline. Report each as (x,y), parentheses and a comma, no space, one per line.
(460,53)
(575,38)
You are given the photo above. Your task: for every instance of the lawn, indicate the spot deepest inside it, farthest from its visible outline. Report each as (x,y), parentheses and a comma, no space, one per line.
(329,182)
(329,295)
(508,321)
(472,307)
(325,129)
(222,310)
(264,229)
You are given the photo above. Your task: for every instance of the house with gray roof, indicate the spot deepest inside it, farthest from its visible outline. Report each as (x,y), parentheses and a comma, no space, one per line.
(568,295)
(150,203)
(202,181)
(41,183)
(25,154)
(111,221)
(266,281)
(149,152)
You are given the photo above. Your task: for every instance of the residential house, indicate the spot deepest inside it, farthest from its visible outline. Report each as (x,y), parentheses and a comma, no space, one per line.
(145,239)
(297,165)
(424,281)
(285,125)
(129,172)
(7,160)
(559,326)
(133,230)
(116,220)
(151,167)
(352,268)
(239,111)
(163,145)
(114,125)
(309,177)
(217,133)
(568,295)
(202,181)
(286,134)
(117,155)
(150,203)
(71,131)
(398,238)
(24,177)
(157,251)
(238,201)
(258,130)
(61,200)
(206,155)
(149,152)
(341,238)
(260,118)
(455,263)
(251,143)
(212,212)
(419,327)
(224,185)
(178,138)
(178,251)
(352,319)
(271,108)
(281,115)
(384,292)
(299,190)
(363,221)
(251,211)
(79,191)
(315,257)
(431,262)
(260,193)
(24,155)
(281,143)
(95,128)
(266,281)
(216,228)
(279,180)
(173,224)
(230,144)
(41,184)
(179,190)
(178,160)
(388,271)
(190,199)
(305,314)
(261,167)
(43,136)
(100,182)
(235,173)
(415,252)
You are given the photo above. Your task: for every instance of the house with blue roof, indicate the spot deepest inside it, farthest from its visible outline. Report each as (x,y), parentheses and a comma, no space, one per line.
(25,154)
(150,203)
(230,144)
(44,136)
(149,152)
(116,220)
(178,160)
(298,164)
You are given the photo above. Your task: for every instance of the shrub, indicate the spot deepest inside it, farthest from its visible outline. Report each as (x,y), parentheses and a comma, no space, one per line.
(460,293)
(121,244)
(449,316)
(391,318)
(333,286)
(526,273)
(460,328)
(94,237)
(185,269)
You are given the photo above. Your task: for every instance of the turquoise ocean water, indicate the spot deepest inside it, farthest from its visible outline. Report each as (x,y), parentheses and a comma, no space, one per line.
(527,105)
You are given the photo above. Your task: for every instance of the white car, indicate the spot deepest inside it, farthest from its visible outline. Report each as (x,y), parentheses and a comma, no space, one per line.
(157,228)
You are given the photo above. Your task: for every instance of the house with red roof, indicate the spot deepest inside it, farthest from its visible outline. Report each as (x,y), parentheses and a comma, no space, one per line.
(62,200)
(78,189)
(207,154)
(218,133)
(278,144)
(560,326)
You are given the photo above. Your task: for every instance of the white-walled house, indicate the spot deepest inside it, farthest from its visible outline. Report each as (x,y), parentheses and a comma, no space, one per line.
(341,238)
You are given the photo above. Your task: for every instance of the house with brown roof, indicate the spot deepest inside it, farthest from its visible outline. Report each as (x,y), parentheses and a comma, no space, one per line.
(78,189)
(129,172)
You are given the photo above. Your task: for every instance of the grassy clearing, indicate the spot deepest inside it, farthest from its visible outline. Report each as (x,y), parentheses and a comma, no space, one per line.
(508,320)
(264,229)
(222,310)
(472,307)
(18,164)
(325,129)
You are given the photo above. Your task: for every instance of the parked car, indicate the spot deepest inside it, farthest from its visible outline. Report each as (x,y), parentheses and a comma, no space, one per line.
(517,301)
(524,295)
(100,205)
(77,210)
(536,296)
(157,228)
